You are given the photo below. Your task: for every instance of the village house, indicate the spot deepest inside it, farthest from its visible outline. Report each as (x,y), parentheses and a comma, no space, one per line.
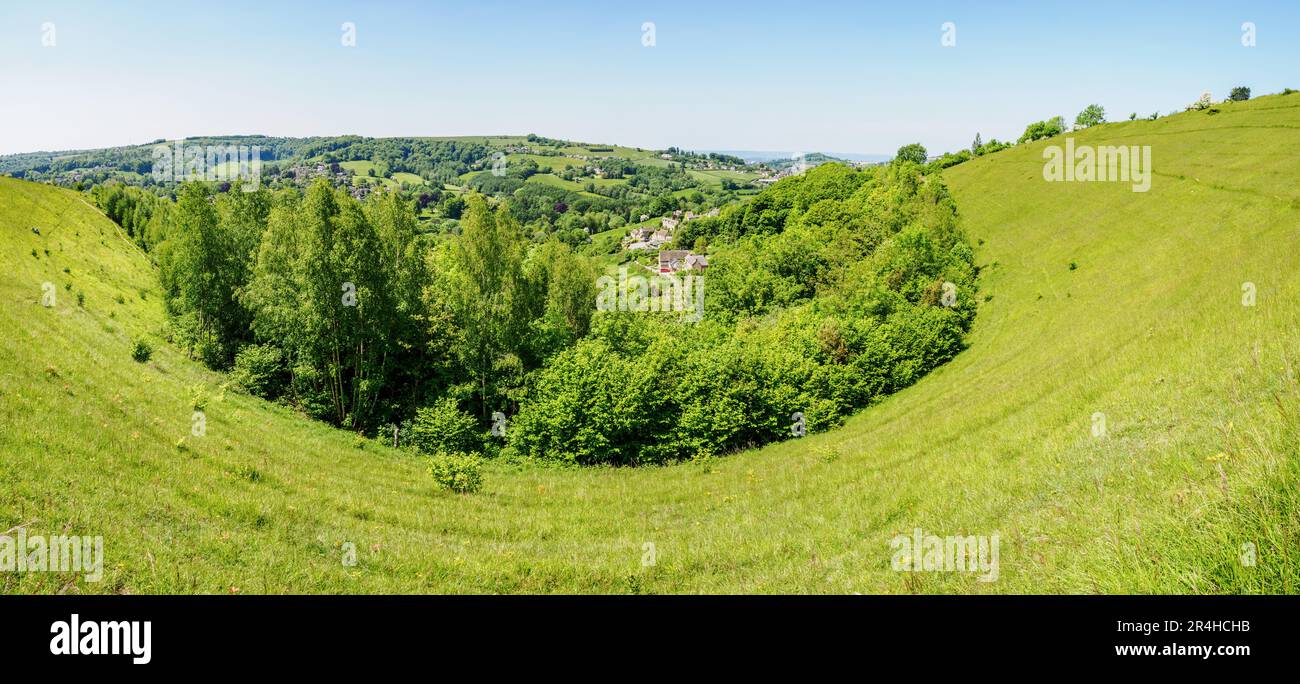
(675,260)
(671,260)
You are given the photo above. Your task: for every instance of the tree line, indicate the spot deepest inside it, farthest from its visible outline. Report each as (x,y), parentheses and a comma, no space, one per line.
(828,291)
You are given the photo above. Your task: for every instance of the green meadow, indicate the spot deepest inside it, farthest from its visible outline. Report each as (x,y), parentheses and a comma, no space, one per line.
(1126,418)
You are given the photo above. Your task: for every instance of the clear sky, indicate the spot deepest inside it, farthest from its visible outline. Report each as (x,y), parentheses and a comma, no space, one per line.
(856,76)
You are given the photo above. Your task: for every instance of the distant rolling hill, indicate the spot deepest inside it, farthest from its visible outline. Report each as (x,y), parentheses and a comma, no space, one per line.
(755,156)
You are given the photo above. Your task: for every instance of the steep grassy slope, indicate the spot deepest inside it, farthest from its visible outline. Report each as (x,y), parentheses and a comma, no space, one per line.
(1149,330)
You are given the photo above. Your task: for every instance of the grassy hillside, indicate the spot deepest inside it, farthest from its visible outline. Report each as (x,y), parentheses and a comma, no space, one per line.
(1147,328)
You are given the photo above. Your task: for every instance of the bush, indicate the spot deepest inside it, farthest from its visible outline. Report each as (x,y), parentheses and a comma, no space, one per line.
(141,350)
(259,369)
(1239,94)
(459,472)
(442,428)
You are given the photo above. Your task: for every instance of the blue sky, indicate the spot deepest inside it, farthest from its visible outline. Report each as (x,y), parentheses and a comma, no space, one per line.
(857,76)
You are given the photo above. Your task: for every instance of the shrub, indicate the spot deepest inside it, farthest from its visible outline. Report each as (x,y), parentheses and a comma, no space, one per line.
(259,369)
(198,396)
(141,350)
(443,427)
(459,472)
(1239,94)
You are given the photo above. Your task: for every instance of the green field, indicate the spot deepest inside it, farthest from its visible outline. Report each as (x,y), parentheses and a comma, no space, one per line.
(545,163)
(1097,300)
(549,166)
(716,177)
(362,170)
(404,177)
(575,186)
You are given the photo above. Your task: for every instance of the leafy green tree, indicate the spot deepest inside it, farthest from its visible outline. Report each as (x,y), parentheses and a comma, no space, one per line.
(486,293)
(976,145)
(1239,94)
(204,245)
(344,302)
(336,291)
(914,152)
(1043,129)
(561,287)
(1091,115)
(418,350)
(198,273)
(453,206)
(444,428)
